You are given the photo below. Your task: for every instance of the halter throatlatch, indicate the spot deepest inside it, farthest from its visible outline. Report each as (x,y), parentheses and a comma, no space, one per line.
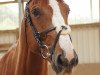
(46,52)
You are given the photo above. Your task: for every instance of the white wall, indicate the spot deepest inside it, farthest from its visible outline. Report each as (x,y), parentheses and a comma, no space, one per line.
(87,43)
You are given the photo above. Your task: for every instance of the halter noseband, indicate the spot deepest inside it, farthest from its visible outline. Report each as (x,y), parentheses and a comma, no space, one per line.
(49,51)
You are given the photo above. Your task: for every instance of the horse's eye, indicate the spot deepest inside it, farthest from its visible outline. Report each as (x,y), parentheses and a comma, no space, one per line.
(36,12)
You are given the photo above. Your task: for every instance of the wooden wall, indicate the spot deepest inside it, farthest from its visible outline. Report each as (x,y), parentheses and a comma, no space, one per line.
(7,38)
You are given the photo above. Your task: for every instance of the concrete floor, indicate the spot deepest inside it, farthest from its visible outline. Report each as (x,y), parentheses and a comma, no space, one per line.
(82,69)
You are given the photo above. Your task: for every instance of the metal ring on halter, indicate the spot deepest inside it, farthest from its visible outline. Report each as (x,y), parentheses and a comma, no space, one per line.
(45,52)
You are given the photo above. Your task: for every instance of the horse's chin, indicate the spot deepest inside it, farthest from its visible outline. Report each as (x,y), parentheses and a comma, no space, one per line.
(61,70)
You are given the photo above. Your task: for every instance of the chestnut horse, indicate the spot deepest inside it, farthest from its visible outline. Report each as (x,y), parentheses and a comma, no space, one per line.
(43,36)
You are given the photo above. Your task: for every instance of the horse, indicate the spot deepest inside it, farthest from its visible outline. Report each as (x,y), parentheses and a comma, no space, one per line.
(44,36)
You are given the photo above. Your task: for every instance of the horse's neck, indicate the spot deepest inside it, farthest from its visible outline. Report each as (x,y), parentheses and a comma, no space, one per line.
(29,63)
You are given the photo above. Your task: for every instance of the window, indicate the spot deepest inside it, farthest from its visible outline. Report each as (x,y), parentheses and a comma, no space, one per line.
(24,5)
(9,16)
(83,11)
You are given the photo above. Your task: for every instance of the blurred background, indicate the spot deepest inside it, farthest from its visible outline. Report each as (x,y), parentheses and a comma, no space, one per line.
(84,19)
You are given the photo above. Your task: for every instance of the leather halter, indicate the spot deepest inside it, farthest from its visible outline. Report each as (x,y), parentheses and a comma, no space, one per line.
(37,35)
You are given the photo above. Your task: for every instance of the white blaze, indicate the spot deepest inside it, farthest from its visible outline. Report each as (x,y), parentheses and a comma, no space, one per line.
(57,18)
(65,43)
(58,21)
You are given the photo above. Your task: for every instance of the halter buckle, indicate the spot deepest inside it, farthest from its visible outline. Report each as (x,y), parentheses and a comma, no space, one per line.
(45,52)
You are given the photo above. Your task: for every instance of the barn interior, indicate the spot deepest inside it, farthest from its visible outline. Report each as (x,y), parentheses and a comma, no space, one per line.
(84,19)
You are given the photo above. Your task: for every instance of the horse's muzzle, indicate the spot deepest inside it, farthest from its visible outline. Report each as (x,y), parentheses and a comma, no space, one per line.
(64,63)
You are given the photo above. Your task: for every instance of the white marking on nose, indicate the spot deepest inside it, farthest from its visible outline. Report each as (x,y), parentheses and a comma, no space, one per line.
(66,45)
(57,18)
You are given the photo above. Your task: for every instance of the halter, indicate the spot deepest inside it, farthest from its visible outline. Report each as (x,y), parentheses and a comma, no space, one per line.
(43,47)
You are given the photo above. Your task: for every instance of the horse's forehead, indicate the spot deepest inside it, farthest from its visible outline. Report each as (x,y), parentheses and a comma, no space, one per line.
(54,5)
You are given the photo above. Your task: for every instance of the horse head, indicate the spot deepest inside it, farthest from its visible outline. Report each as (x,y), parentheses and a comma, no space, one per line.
(47,20)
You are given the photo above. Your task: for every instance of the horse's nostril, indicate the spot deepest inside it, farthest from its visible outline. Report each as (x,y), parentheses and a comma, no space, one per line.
(59,60)
(62,61)
(74,61)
